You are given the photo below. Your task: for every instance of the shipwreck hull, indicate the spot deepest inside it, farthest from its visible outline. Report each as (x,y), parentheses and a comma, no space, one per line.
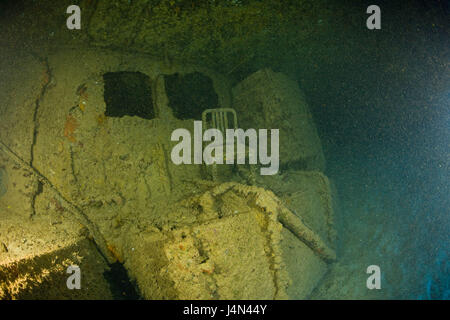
(78,166)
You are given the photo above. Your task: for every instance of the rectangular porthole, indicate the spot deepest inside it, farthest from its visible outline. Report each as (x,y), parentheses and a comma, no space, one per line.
(128,94)
(190,94)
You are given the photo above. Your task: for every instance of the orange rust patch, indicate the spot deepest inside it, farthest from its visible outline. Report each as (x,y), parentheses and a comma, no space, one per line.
(101,119)
(70,127)
(115,253)
(208,270)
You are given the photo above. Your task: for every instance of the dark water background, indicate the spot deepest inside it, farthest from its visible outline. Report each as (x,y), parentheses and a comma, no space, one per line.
(383,112)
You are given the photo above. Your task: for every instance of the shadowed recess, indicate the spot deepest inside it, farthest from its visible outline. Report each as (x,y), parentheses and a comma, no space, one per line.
(128,94)
(190,94)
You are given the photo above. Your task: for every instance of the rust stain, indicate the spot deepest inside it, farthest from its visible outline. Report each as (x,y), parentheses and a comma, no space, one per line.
(115,253)
(69,128)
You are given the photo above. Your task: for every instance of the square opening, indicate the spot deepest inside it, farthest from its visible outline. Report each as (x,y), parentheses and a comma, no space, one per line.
(128,94)
(190,94)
